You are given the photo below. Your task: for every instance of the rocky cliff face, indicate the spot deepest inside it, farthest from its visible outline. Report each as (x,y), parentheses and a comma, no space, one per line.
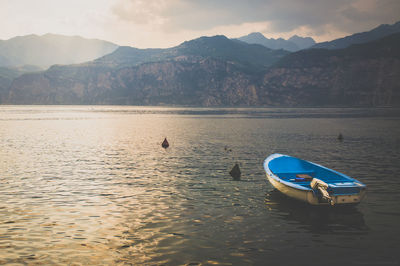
(370,82)
(183,81)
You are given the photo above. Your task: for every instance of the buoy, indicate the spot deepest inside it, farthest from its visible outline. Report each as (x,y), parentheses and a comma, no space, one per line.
(165,144)
(340,137)
(235,172)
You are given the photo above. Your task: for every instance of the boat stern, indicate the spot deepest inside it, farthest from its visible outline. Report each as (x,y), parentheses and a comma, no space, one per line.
(347,192)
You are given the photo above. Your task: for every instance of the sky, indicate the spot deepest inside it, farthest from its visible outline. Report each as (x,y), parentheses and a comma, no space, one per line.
(166,23)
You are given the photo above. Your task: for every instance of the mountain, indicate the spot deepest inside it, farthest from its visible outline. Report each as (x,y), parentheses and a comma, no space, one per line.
(363,37)
(50,49)
(205,71)
(243,54)
(302,42)
(295,43)
(360,75)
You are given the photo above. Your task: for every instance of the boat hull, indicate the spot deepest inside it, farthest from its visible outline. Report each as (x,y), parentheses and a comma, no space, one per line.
(303,195)
(309,195)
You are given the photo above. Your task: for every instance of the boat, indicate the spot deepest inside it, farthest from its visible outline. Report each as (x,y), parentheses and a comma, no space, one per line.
(312,183)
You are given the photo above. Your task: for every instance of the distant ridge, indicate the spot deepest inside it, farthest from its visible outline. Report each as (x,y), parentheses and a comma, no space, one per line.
(302,42)
(50,49)
(363,37)
(293,44)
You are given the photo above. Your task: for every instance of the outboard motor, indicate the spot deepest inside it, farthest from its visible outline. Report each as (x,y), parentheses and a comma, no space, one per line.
(322,187)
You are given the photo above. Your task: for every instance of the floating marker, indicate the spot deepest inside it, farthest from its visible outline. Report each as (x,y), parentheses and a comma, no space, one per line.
(340,137)
(235,172)
(165,144)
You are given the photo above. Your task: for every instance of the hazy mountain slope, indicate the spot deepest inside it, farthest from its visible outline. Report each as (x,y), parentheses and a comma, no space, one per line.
(363,37)
(8,74)
(125,56)
(6,77)
(51,49)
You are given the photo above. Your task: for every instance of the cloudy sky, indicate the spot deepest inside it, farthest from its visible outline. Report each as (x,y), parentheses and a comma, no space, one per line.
(166,23)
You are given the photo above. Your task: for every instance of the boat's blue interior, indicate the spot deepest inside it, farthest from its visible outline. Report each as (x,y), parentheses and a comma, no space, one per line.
(286,168)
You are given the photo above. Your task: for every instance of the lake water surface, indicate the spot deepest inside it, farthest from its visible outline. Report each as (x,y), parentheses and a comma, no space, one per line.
(92,185)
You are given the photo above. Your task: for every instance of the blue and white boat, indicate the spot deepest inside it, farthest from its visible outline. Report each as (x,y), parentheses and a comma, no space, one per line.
(312,183)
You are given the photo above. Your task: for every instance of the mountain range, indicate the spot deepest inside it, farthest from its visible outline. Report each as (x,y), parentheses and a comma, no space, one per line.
(217,71)
(197,72)
(294,43)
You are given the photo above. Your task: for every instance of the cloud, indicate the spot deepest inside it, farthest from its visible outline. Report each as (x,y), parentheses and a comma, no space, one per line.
(282,16)
(165,23)
(73,17)
(140,11)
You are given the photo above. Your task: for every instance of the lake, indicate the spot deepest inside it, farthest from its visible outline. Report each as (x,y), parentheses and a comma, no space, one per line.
(91,185)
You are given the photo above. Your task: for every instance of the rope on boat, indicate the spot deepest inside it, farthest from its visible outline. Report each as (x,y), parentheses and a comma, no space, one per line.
(322,187)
